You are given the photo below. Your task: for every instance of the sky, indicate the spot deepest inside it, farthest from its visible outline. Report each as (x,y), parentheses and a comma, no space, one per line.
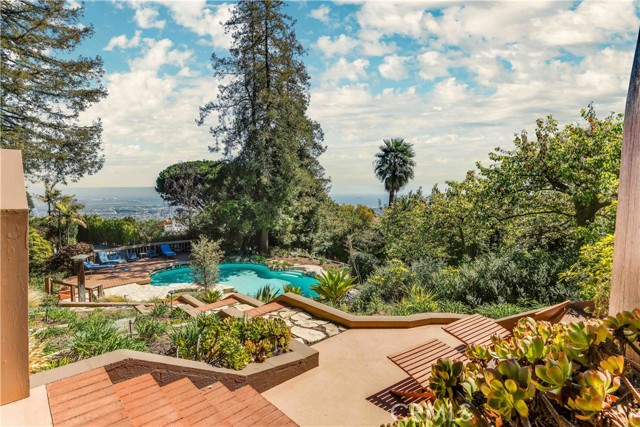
(456,79)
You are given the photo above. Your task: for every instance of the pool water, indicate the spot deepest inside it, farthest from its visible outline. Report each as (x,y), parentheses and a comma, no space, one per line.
(245,278)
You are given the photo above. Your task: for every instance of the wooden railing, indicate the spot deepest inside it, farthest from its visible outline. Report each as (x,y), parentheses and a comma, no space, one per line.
(73,288)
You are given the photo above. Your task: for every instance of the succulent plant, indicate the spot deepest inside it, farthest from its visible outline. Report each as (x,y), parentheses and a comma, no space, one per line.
(595,394)
(554,374)
(441,413)
(507,388)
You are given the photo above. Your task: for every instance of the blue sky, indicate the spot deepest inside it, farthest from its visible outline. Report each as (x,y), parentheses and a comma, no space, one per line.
(457,79)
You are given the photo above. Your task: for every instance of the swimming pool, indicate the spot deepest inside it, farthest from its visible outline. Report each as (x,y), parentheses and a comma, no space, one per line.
(245,278)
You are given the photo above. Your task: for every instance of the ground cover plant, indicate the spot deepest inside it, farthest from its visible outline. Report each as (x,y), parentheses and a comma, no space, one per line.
(568,374)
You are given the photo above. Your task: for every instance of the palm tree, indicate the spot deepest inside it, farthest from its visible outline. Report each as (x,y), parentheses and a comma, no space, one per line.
(68,213)
(394,165)
(51,195)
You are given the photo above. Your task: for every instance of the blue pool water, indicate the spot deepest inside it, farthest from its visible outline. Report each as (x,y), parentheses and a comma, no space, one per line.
(245,278)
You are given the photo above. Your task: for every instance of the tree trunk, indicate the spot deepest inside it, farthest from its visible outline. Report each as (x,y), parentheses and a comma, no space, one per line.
(391,197)
(264,241)
(625,281)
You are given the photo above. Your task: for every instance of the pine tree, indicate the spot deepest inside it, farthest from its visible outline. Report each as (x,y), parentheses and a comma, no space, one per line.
(262,112)
(44,90)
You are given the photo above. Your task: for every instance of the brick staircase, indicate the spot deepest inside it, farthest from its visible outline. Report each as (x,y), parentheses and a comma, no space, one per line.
(92,399)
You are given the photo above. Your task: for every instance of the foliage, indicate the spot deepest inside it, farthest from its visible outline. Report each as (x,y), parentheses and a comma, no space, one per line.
(263,128)
(120,231)
(569,374)
(500,310)
(333,285)
(160,310)
(97,335)
(148,327)
(67,217)
(417,300)
(592,273)
(44,89)
(230,342)
(40,250)
(211,295)
(206,256)
(62,261)
(394,165)
(388,283)
(267,294)
(291,288)
(38,359)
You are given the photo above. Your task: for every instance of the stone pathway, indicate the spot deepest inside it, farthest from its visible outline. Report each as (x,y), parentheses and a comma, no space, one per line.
(142,293)
(305,327)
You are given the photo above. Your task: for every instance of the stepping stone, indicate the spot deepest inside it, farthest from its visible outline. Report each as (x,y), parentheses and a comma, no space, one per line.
(310,323)
(331,329)
(309,335)
(301,316)
(286,313)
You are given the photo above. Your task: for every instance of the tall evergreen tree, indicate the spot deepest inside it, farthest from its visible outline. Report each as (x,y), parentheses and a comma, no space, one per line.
(44,90)
(394,165)
(262,112)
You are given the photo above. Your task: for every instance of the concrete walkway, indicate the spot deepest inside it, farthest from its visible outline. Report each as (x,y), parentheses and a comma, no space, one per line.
(353,366)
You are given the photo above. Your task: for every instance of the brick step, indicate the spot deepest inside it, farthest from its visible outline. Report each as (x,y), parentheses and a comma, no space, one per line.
(144,402)
(86,399)
(192,406)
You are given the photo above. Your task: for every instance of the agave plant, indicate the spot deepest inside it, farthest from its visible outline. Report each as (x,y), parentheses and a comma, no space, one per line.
(291,288)
(267,293)
(334,285)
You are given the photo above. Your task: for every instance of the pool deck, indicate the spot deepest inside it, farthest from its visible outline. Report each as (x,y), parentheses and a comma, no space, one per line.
(137,272)
(353,367)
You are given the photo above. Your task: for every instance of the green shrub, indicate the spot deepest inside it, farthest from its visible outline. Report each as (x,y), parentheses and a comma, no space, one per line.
(40,250)
(62,261)
(148,327)
(160,310)
(388,283)
(592,273)
(497,311)
(211,295)
(333,285)
(206,255)
(97,335)
(291,288)
(267,293)
(231,342)
(417,300)
(448,306)
(363,264)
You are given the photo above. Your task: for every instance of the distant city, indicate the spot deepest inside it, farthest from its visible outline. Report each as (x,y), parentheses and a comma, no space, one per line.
(145,203)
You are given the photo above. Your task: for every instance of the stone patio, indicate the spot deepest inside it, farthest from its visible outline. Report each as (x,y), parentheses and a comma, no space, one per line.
(304,327)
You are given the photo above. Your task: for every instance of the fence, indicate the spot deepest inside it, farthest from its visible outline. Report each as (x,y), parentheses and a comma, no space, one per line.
(145,249)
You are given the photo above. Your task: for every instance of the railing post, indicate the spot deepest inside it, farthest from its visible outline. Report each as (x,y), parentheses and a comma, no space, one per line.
(48,286)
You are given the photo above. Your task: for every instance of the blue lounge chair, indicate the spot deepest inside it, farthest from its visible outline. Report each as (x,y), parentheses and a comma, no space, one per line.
(103,259)
(151,253)
(166,251)
(116,258)
(90,267)
(131,256)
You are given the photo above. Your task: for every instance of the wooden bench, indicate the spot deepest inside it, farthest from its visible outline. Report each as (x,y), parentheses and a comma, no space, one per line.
(476,329)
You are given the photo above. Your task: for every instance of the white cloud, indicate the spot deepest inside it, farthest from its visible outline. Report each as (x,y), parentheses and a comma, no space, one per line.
(123,42)
(203,19)
(393,68)
(433,64)
(345,70)
(340,45)
(321,13)
(147,17)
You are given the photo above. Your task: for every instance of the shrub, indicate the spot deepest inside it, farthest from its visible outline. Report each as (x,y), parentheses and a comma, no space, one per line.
(97,335)
(160,310)
(206,256)
(333,285)
(291,288)
(38,359)
(148,328)
(267,293)
(592,273)
(363,264)
(448,306)
(500,310)
(40,250)
(62,262)
(231,342)
(388,283)
(211,295)
(417,300)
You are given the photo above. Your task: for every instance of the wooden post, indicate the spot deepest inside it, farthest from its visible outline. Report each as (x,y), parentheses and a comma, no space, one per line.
(14,279)
(625,280)
(48,287)
(82,293)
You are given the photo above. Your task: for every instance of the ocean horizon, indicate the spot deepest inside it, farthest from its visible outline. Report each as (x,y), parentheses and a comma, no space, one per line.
(146,203)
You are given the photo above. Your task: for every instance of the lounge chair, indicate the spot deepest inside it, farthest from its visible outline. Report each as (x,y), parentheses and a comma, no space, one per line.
(90,267)
(117,258)
(103,259)
(476,329)
(132,256)
(166,251)
(151,253)
(417,362)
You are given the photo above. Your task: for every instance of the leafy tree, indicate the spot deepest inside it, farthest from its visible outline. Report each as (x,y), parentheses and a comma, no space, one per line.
(44,90)
(206,256)
(190,185)
(566,176)
(51,195)
(68,216)
(262,123)
(394,165)
(40,250)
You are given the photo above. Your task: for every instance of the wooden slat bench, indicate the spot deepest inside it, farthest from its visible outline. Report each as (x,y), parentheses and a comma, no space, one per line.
(476,329)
